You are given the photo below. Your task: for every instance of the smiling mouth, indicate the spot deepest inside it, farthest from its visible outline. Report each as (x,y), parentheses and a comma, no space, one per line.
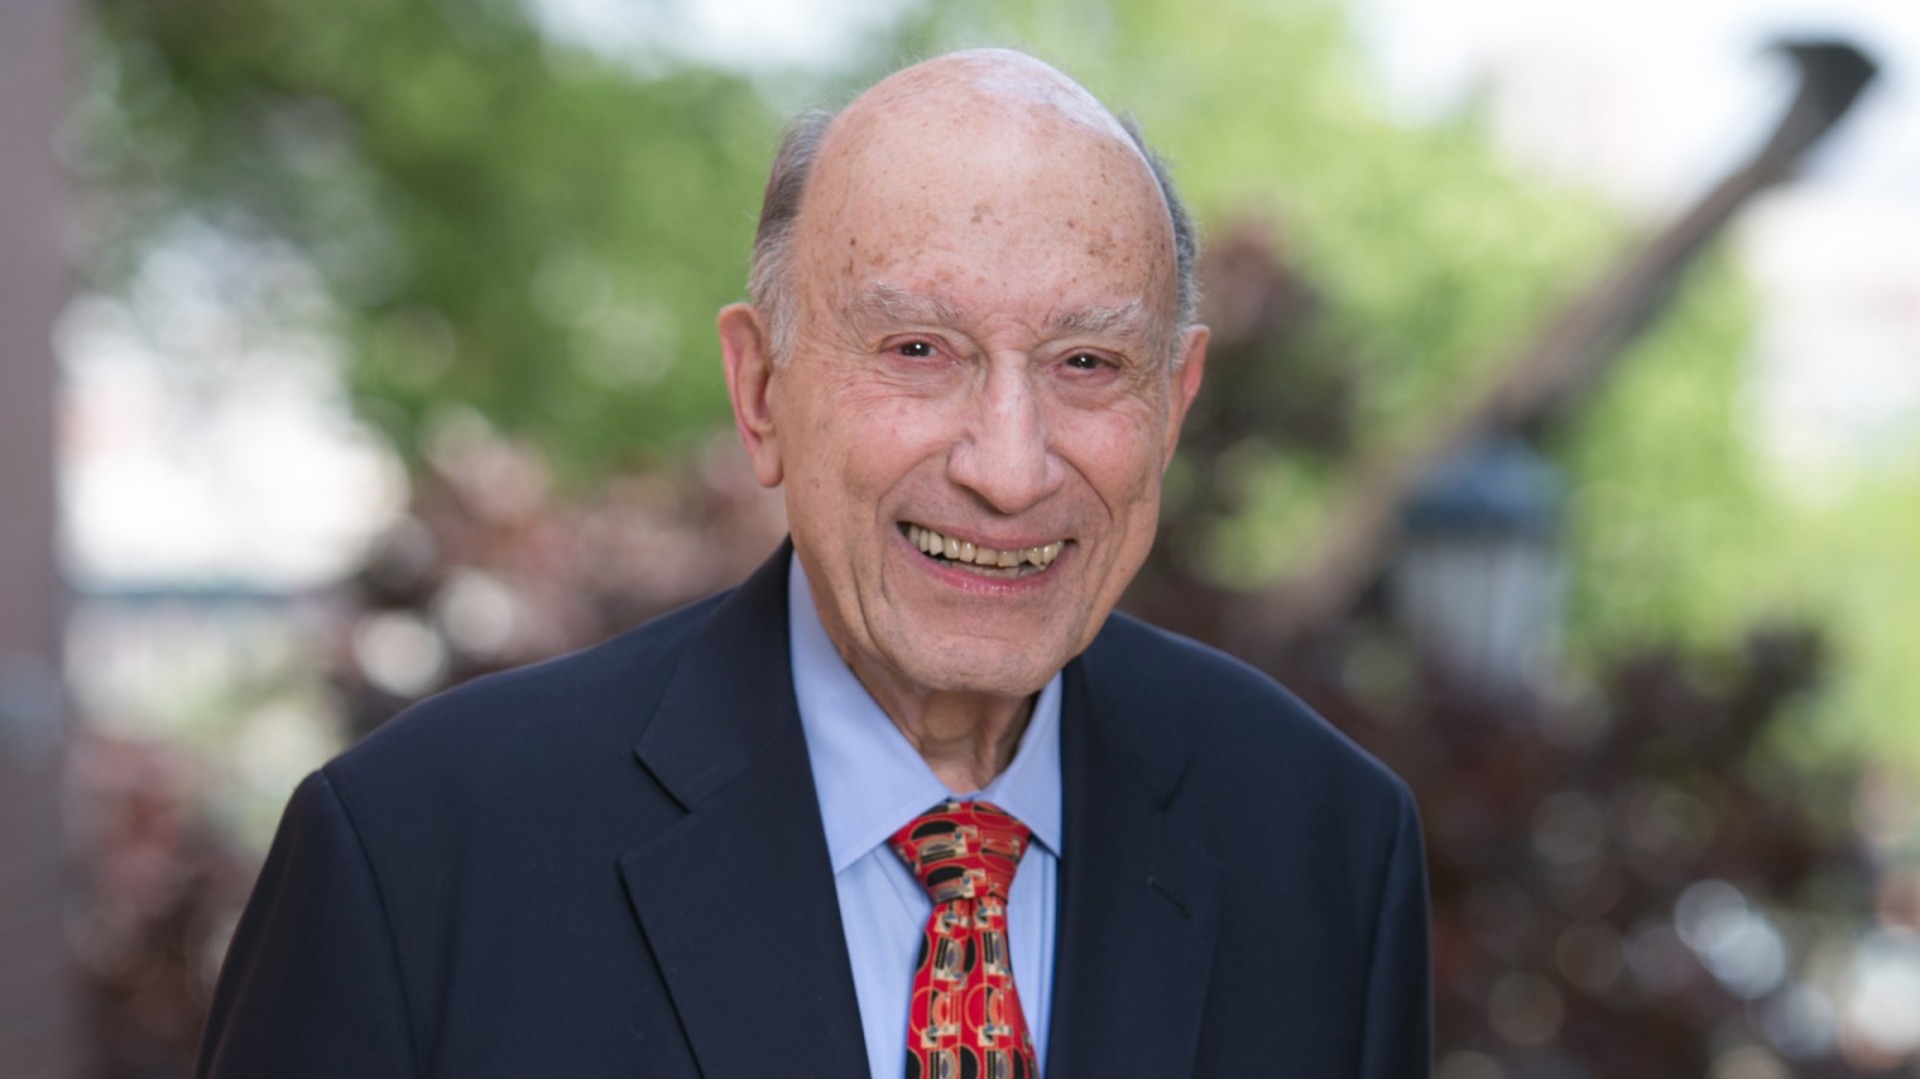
(1021,562)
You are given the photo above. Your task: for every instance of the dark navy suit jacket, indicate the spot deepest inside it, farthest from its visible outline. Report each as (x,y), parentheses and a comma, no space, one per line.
(612,864)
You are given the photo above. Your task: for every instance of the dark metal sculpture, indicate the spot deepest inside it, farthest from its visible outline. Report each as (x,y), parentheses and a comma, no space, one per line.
(1548,377)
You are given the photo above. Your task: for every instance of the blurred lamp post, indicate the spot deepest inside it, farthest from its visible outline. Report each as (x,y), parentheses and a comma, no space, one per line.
(1478,582)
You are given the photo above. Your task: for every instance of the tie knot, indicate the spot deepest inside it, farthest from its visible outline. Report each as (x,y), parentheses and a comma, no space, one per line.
(962,850)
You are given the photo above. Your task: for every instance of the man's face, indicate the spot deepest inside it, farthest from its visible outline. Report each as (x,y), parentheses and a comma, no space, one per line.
(985,305)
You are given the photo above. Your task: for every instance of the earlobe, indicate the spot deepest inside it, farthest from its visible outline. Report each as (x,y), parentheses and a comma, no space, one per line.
(749,366)
(1186,385)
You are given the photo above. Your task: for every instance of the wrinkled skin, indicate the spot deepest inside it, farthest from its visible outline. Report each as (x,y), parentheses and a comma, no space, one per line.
(985,294)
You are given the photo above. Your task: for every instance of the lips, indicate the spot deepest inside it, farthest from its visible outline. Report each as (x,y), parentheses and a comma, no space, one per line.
(1011,562)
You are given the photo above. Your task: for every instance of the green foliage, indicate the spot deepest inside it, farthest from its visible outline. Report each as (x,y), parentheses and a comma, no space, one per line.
(1435,259)
(1673,537)
(543,235)
(1435,255)
(1434,262)
(1858,567)
(501,221)
(1681,534)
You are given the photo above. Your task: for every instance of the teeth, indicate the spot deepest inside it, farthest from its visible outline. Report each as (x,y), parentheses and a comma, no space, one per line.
(939,546)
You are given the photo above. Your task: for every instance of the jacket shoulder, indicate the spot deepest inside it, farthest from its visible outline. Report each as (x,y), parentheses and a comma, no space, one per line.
(503,725)
(1233,716)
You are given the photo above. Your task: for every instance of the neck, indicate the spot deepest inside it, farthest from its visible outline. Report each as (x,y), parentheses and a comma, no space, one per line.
(966,738)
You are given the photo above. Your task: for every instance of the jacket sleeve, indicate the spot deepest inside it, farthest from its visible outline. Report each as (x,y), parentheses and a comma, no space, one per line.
(311,985)
(1399,1004)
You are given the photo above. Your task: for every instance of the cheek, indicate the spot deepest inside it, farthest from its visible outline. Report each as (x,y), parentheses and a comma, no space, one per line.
(1119,455)
(861,450)
(889,432)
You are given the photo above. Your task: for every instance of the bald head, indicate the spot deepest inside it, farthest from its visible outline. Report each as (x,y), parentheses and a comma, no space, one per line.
(1002,81)
(971,331)
(925,133)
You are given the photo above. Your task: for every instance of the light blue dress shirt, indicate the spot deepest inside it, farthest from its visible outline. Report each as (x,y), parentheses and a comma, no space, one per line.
(871,781)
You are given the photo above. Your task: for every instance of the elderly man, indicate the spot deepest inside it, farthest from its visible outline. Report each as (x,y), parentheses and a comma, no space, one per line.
(909,801)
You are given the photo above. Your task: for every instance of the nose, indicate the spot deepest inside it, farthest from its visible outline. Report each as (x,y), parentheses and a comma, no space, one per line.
(1005,456)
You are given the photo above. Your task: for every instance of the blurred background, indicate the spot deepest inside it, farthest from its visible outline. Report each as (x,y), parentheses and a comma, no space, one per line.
(1561,444)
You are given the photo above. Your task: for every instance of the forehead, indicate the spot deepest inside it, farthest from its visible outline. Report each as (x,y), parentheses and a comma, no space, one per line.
(990,187)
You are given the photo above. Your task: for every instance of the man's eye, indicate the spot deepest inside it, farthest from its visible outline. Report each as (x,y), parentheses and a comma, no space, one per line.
(916,350)
(1085,361)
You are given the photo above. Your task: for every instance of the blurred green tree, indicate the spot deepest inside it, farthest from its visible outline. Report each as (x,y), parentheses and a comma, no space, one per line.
(1429,260)
(500,220)
(504,224)
(540,232)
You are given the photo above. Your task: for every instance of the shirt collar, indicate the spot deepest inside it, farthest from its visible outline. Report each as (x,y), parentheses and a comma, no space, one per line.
(869,778)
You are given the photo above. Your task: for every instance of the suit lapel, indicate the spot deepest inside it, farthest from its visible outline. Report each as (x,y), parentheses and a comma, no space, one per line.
(1139,900)
(737,898)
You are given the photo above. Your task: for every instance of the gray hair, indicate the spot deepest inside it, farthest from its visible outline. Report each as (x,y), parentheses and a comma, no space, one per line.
(770,276)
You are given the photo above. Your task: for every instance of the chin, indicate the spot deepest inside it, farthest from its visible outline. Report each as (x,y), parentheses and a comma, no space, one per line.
(996,670)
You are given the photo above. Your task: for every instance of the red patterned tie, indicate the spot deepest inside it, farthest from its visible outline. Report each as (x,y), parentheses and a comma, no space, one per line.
(966,1022)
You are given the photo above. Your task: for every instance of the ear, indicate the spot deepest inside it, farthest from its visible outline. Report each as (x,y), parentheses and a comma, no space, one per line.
(745,346)
(1186,384)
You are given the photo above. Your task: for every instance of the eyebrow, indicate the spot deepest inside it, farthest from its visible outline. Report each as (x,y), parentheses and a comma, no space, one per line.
(1129,317)
(891,303)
